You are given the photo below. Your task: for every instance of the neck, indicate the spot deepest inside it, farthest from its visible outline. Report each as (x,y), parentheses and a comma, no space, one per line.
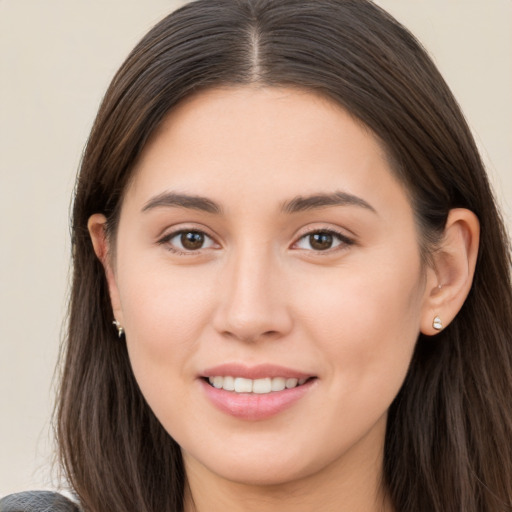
(299,496)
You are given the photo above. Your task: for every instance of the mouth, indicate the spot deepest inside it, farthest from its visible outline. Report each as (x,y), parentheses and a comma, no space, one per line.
(255,393)
(260,386)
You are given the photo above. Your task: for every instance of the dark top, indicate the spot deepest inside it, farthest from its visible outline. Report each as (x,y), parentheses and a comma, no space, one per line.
(37,501)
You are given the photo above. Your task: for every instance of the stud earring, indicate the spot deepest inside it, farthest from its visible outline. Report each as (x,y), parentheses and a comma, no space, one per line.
(437,324)
(119,327)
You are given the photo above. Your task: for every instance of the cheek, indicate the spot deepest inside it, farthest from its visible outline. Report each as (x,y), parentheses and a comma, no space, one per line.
(366,321)
(165,314)
(365,329)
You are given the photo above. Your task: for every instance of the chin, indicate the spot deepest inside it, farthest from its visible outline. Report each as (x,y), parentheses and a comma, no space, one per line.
(261,465)
(261,473)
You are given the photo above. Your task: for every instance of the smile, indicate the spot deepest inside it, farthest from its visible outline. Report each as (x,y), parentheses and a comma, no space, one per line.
(259,386)
(255,393)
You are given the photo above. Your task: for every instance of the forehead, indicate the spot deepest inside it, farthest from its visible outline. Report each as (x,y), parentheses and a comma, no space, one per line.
(257,115)
(260,139)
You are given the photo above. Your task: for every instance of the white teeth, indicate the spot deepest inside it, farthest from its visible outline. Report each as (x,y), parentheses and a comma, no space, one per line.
(262,386)
(291,383)
(229,384)
(258,386)
(243,385)
(278,384)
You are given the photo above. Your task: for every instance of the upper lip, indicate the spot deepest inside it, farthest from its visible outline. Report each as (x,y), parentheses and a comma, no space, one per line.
(259,371)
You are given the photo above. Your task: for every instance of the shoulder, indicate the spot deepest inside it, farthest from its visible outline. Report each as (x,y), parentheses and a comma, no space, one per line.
(37,501)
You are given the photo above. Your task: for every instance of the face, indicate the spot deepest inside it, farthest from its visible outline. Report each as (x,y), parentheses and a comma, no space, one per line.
(269,281)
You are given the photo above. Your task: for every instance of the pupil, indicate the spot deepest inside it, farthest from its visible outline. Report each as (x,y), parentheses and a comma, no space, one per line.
(320,241)
(192,240)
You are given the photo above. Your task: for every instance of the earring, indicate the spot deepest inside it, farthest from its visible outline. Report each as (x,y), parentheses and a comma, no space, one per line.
(437,324)
(119,327)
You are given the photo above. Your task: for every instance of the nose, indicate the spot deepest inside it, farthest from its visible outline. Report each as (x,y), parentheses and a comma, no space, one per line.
(252,302)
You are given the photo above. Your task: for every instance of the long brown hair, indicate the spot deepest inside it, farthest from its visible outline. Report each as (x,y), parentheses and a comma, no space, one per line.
(449,436)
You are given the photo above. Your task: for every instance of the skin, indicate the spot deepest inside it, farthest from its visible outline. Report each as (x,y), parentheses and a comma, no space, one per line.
(258,291)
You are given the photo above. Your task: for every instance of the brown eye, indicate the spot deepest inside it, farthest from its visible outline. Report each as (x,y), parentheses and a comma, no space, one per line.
(192,240)
(321,241)
(318,241)
(187,241)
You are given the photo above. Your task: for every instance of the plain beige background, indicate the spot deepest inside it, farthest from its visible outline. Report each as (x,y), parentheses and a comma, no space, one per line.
(56,59)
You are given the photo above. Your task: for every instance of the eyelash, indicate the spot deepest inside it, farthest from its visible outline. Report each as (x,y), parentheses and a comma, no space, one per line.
(167,239)
(343,241)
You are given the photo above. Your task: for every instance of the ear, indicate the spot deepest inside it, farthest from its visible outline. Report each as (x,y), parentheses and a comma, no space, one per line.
(97,225)
(450,277)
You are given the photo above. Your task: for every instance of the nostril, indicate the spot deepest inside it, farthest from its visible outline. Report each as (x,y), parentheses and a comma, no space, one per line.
(250,337)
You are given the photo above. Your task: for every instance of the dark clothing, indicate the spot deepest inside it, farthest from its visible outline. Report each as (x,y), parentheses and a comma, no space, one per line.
(37,501)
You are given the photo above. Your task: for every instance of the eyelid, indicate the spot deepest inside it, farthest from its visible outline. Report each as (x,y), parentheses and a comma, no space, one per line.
(345,240)
(173,232)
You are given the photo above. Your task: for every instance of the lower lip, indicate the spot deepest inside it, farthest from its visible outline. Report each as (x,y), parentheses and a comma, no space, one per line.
(254,406)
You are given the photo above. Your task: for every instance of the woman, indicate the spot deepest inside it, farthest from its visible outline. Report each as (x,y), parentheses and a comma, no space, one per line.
(283,212)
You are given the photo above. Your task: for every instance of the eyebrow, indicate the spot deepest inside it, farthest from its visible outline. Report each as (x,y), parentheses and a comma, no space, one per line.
(172,199)
(295,205)
(300,203)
